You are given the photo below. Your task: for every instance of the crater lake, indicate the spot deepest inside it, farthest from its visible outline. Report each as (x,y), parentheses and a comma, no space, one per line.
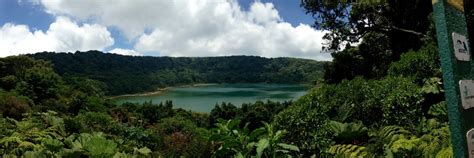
(203,98)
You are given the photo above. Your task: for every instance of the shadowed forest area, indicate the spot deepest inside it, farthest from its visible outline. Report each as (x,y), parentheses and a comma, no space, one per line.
(381,96)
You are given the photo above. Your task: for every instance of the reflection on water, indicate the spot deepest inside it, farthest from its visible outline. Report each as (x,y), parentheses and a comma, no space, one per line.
(204,98)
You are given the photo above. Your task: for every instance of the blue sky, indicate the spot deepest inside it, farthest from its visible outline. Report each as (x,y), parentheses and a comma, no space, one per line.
(270,28)
(289,10)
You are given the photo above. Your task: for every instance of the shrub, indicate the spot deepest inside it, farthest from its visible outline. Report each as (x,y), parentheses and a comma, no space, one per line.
(14,106)
(94,122)
(306,124)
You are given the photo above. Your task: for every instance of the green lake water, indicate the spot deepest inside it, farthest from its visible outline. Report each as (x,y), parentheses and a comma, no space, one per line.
(204,98)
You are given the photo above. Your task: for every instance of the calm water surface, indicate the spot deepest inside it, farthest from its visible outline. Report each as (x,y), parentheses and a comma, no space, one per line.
(204,98)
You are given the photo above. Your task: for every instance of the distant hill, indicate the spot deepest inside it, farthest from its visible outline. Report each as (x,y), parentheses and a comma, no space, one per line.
(134,74)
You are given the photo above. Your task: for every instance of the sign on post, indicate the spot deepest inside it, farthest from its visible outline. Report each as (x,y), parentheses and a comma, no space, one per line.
(458,76)
(470,142)
(461,50)
(466,88)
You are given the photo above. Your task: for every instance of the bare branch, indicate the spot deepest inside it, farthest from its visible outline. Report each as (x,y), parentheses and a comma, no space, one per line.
(408,31)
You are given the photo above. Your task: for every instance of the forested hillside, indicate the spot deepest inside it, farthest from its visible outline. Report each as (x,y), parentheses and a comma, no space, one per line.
(128,74)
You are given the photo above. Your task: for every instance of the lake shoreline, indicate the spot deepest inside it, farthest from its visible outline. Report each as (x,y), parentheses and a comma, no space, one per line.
(203,98)
(160,90)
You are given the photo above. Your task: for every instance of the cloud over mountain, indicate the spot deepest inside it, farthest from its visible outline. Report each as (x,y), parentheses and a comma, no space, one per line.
(198,27)
(169,28)
(62,35)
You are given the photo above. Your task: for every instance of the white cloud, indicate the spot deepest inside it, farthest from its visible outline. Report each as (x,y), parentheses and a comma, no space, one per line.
(263,13)
(198,27)
(125,52)
(63,35)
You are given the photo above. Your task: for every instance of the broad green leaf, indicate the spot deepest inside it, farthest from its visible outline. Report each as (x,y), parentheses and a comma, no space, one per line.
(288,146)
(261,146)
(143,151)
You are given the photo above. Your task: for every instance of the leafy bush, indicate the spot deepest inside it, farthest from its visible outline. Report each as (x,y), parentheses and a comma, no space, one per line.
(93,122)
(81,102)
(224,111)
(152,112)
(181,137)
(93,145)
(390,101)
(14,106)
(420,64)
(348,132)
(230,140)
(306,124)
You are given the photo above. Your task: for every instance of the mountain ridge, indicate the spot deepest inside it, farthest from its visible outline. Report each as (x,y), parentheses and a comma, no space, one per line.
(134,74)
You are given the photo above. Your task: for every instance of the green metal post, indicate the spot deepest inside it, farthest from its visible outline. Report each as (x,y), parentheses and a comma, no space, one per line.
(450,18)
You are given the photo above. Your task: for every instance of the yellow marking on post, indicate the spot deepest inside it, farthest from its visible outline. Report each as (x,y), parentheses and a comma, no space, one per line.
(458,4)
(434,1)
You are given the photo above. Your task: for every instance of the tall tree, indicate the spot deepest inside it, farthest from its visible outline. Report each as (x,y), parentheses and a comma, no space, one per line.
(404,22)
(383,28)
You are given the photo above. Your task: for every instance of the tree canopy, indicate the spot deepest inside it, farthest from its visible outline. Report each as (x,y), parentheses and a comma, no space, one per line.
(366,36)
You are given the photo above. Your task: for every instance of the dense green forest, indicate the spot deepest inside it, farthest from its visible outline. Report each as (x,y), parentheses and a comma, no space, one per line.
(380,98)
(134,74)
